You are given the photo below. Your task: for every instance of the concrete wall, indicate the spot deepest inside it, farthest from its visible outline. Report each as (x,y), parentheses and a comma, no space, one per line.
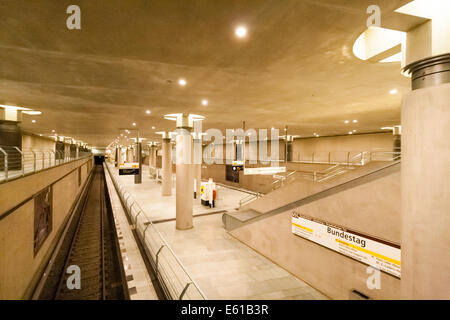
(371,208)
(19,268)
(339,146)
(336,149)
(32,142)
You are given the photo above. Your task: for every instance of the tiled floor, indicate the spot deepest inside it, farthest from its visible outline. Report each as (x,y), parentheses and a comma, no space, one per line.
(222,266)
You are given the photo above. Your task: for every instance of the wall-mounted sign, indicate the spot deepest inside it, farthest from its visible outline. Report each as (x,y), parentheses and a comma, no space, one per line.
(264,170)
(380,254)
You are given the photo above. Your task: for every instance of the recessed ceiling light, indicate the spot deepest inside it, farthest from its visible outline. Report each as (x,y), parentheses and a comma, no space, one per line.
(350,132)
(204,102)
(32,112)
(153,127)
(240,31)
(354,130)
(355,121)
(33,121)
(134,123)
(393,91)
(53,130)
(182,82)
(40,134)
(148,112)
(346,121)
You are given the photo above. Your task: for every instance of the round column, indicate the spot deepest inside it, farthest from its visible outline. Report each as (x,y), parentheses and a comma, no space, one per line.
(426,181)
(152,161)
(166,167)
(184,181)
(197,167)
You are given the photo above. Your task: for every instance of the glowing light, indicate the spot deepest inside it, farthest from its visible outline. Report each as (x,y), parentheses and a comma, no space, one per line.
(148,112)
(393,91)
(182,82)
(240,32)
(204,102)
(355,121)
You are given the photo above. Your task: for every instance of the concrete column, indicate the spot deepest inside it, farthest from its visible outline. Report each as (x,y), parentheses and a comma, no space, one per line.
(184,181)
(197,167)
(138,159)
(166,167)
(10,139)
(426,182)
(152,161)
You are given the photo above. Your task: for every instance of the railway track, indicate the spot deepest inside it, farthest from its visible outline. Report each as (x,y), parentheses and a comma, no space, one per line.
(92,248)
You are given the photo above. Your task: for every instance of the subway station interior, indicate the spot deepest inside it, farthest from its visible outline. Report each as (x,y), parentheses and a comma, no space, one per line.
(225,150)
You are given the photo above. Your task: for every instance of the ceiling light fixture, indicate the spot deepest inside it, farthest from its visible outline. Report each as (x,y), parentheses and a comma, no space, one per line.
(355,121)
(148,112)
(346,121)
(153,127)
(182,82)
(134,124)
(204,102)
(393,91)
(33,121)
(240,31)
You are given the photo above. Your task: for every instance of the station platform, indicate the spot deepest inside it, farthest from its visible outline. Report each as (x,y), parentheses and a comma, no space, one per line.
(222,266)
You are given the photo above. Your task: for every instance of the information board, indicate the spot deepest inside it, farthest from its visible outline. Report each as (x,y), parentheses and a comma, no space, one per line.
(380,254)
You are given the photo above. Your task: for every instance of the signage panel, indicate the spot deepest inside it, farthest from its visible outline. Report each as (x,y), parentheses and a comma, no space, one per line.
(380,254)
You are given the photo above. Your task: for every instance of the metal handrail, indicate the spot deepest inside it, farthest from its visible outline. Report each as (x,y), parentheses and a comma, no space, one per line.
(21,162)
(359,159)
(249,198)
(149,225)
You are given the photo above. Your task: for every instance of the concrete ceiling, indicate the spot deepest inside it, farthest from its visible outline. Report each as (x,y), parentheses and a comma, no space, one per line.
(295,68)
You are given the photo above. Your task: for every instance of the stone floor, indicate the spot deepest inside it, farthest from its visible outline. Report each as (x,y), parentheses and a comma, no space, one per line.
(157,207)
(222,266)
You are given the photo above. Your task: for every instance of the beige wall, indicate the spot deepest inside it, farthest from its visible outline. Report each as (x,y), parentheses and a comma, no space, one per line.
(19,268)
(371,208)
(342,148)
(32,142)
(302,149)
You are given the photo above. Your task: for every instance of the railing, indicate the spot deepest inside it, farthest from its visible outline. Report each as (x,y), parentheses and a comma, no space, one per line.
(249,198)
(175,280)
(359,159)
(15,162)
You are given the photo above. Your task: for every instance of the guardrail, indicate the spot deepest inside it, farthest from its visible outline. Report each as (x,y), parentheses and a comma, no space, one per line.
(359,159)
(175,280)
(15,163)
(249,198)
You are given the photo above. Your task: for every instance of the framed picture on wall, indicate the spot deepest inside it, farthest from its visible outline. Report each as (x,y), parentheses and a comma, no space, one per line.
(42,217)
